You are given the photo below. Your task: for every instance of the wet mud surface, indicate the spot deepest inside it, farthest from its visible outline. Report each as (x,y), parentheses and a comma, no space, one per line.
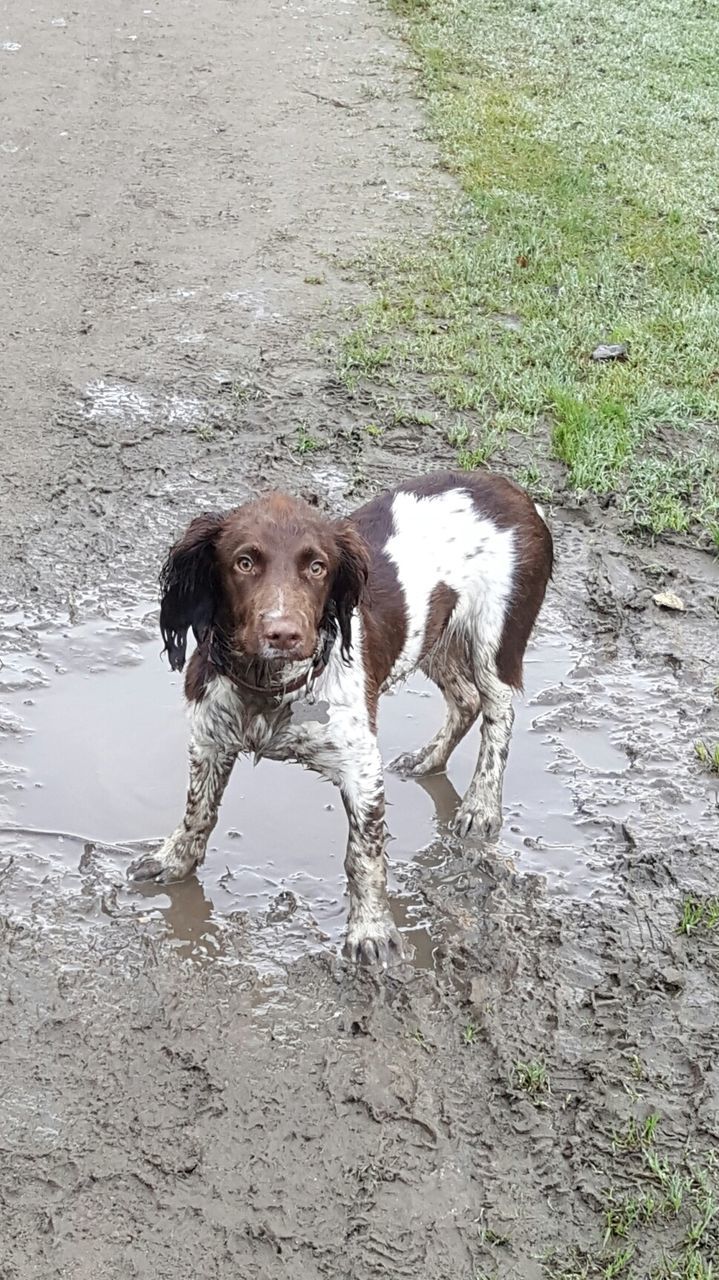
(192,1081)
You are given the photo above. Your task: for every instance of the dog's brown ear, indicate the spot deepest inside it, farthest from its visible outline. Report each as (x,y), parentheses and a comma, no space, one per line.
(189,587)
(350,581)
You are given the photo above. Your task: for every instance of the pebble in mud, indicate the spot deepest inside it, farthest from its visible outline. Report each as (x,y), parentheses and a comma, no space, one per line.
(669,600)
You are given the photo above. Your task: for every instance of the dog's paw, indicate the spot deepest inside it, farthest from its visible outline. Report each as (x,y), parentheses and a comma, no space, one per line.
(482,818)
(413,764)
(373,940)
(169,863)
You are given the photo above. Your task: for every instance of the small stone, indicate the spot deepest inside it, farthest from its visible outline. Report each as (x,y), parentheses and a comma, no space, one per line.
(669,600)
(611,351)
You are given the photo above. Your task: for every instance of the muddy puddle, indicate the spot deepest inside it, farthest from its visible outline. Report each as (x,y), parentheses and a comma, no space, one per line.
(92,767)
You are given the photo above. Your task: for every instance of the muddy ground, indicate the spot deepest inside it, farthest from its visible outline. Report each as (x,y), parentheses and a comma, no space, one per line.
(196,1084)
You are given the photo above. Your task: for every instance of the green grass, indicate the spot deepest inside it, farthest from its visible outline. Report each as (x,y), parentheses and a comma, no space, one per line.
(593,436)
(699,914)
(532,1078)
(637,1136)
(306,443)
(585,141)
(660,1219)
(708,754)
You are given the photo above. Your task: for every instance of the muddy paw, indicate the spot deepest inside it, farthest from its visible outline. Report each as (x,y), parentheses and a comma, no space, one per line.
(480,818)
(374,942)
(163,868)
(413,764)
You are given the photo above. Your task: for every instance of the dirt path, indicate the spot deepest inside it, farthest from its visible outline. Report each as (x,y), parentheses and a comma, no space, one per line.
(180,186)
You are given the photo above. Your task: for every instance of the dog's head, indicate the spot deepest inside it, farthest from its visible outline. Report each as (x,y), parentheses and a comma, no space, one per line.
(273,578)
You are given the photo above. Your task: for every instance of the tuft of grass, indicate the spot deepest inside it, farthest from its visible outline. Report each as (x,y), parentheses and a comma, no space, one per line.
(698,913)
(587,216)
(305,442)
(479,455)
(470,1033)
(473,450)
(593,438)
(638,1068)
(691,1267)
(532,1078)
(361,356)
(708,755)
(403,417)
(636,1135)
(495,1239)
(534,481)
(459,435)
(624,1212)
(662,1225)
(668,494)
(617,1265)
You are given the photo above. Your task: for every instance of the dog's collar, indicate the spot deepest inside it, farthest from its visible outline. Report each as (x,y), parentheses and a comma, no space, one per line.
(305,681)
(279,691)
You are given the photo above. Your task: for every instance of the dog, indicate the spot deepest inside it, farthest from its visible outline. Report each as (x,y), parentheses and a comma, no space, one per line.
(301,622)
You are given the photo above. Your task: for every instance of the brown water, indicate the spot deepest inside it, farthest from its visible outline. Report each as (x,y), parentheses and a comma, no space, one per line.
(93,765)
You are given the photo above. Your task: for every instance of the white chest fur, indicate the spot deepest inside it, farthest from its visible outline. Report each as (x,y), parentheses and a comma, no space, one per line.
(319,730)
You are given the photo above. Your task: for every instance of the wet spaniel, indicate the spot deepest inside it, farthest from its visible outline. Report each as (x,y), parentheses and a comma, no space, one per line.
(301,622)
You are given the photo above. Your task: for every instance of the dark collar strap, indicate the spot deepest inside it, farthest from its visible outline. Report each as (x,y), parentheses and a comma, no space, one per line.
(280,690)
(227,667)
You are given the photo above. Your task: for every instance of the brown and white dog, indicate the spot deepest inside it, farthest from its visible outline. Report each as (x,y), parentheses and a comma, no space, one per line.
(301,622)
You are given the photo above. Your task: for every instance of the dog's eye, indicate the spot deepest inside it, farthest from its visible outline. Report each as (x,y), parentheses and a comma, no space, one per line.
(245,564)
(317,569)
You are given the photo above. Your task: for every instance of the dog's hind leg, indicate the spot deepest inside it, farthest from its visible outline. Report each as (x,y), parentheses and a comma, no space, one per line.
(481,809)
(449,667)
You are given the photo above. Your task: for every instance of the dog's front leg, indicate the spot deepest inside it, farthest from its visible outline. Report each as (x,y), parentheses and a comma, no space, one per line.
(210,769)
(372,937)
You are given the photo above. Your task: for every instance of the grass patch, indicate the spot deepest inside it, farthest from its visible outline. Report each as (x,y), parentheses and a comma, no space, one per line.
(660,1219)
(361,356)
(306,443)
(535,482)
(698,914)
(708,754)
(593,437)
(638,1135)
(532,1078)
(585,142)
